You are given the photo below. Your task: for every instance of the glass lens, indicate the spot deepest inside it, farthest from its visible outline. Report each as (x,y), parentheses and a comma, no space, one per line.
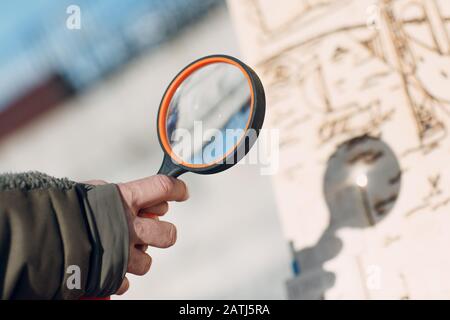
(208,114)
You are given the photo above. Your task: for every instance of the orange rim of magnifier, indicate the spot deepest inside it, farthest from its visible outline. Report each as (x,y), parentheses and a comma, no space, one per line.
(162,119)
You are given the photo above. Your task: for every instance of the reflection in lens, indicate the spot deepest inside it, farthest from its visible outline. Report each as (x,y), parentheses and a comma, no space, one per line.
(208,113)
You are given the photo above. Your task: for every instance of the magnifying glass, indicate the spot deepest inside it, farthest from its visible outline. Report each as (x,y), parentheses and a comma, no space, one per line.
(210,116)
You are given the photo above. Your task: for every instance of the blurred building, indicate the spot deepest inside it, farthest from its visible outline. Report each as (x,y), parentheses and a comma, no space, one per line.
(44,60)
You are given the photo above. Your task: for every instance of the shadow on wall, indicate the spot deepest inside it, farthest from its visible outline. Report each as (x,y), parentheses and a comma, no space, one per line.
(361,185)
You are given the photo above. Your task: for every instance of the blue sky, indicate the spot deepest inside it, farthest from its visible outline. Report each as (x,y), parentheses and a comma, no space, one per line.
(35,41)
(18,17)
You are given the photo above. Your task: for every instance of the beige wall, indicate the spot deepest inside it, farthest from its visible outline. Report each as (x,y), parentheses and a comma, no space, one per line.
(359,67)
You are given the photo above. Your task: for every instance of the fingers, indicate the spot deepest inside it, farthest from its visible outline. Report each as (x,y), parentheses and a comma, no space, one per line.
(159,209)
(149,216)
(142,247)
(123,287)
(144,199)
(151,191)
(139,263)
(160,234)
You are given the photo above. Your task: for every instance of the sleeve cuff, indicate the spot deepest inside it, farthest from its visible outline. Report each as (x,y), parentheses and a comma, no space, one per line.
(109,229)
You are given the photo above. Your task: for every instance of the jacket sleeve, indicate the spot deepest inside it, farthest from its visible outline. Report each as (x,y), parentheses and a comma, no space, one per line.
(60,239)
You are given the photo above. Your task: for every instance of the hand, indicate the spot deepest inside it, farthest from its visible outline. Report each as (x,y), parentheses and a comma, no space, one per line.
(145,201)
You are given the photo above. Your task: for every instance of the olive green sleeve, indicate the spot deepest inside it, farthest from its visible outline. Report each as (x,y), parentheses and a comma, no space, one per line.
(60,239)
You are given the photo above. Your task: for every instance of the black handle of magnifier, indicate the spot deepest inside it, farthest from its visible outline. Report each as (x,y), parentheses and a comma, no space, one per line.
(169,168)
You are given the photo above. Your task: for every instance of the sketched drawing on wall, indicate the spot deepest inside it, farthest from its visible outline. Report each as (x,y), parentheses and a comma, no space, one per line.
(336,70)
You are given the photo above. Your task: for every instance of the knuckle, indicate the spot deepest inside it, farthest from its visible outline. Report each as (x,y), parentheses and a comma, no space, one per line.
(139,228)
(165,207)
(171,235)
(166,184)
(147,265)
(135,195)
(128,194)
